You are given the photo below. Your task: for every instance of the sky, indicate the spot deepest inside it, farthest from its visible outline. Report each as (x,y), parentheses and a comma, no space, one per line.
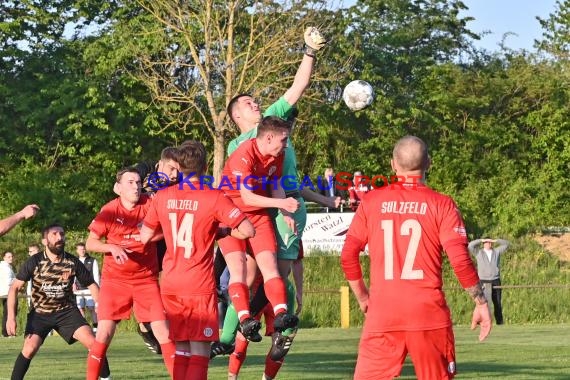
(503,16)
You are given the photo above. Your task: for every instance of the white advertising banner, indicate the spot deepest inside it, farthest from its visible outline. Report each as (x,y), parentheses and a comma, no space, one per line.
(325,232)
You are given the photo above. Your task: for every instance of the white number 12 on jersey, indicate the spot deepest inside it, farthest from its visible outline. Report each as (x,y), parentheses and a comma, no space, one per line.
(410,226)
(182,235)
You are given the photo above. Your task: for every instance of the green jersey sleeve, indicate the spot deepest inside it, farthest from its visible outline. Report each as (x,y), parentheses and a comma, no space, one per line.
(281,108)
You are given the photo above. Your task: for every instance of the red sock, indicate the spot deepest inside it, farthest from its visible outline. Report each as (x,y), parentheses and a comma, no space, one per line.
(238,356)
(272,367)
(239,296)
(168,353)
(276,294)
(181,361)
(197,368)
(95,358)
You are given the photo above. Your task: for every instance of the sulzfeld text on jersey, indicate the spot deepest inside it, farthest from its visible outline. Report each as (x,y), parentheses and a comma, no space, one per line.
(182,204)
(395,207)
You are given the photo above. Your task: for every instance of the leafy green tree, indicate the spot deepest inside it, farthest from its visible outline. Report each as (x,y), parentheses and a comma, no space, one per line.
(556,31)
(194,59)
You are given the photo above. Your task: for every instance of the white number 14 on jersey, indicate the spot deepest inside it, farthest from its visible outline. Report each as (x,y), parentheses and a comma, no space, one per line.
(182,235)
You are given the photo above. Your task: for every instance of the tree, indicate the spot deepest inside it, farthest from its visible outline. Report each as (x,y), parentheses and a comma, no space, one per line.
(194,57)
(556,32)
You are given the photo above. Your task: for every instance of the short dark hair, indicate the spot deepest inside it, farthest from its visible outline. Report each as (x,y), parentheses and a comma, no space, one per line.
(272,124)
(232,104)
(46,229)
(169,153)
(192,157)
(129,169)
(80,244)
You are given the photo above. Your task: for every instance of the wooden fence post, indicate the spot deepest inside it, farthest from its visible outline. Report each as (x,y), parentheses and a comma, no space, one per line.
(344,307)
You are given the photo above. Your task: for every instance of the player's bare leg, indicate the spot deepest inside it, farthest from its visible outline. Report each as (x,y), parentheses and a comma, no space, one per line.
(167,347)
(32,343)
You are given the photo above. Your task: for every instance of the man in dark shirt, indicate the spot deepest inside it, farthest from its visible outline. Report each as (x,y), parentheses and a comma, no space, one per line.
(52,274)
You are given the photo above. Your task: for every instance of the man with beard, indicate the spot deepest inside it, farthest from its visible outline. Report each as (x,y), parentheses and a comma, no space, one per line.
(129,279)
(53,304)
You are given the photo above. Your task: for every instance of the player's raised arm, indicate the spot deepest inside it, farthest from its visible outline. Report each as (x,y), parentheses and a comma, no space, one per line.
(10,222)
(314,41)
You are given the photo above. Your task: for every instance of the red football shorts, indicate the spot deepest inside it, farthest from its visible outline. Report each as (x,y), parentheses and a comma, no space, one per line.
(192,318)
(118,297)
(381,355)
(264,239)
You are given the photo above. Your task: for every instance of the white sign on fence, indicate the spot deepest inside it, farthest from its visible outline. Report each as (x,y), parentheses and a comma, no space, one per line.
(326,232)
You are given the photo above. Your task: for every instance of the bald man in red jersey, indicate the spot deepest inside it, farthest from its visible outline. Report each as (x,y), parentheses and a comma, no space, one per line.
(407,226)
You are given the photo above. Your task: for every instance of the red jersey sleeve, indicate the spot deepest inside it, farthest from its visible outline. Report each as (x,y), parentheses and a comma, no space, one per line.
(151,219)
(453,238)
(452,226)
(227,212)
(100,225)
(356,240)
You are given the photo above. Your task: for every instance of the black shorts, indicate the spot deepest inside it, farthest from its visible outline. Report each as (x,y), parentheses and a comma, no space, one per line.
(65,322)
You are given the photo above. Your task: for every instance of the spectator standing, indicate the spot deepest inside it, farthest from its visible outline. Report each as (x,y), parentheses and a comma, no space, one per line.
(488,268)
(7,277)
(83,296)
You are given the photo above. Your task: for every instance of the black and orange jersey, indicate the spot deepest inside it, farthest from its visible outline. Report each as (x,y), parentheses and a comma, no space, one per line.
(52,282)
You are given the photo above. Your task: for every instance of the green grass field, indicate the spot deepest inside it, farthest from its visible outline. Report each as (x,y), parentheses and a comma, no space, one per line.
(511,352)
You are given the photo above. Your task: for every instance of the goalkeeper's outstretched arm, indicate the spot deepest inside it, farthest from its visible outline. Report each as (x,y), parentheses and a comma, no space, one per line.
(314,41)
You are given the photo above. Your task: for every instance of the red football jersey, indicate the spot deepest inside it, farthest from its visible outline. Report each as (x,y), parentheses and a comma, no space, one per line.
(189,220)
(247,167)
(122,227)
(406,229)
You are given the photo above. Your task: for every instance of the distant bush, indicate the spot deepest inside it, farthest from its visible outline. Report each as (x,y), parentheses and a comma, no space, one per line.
(525,263)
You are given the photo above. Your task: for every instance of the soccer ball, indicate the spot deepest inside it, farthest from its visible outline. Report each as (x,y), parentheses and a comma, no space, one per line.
(358,95)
